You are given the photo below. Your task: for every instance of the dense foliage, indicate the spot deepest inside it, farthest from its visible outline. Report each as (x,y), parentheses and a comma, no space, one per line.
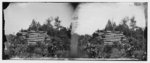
(133,47)
(90,46)
(58,46)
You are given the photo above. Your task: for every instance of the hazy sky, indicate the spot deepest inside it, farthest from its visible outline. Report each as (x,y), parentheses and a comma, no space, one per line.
(93,16)
(20,15)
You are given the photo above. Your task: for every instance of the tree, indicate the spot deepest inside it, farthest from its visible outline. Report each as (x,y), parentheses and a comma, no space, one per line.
(57,23)
(38,25)
(133,23)
(124,22)
(109,26)
(48,22)
(33,26)
(114,26)
(123,27)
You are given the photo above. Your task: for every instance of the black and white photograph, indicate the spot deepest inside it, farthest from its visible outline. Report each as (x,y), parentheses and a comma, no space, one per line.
(80,31)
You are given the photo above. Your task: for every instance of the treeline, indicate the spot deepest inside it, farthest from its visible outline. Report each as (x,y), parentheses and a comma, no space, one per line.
(52,30)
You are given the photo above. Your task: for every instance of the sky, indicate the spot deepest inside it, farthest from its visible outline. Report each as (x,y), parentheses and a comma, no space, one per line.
(94,16)
(91,16)
(20,15)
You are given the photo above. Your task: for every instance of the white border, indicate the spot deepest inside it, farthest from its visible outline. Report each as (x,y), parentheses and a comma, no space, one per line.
(60,61)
